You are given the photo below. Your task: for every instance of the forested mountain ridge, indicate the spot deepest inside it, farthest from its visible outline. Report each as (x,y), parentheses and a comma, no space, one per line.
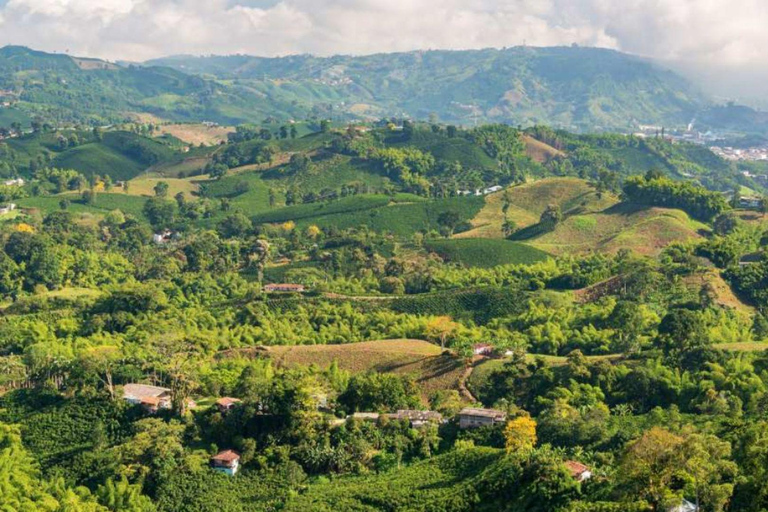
(572,87)
(580,89)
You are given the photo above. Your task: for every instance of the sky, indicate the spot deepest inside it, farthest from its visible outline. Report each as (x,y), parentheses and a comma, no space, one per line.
(720,40)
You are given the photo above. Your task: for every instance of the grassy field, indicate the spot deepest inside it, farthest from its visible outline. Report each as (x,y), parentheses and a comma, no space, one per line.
(485,252)
(643,230)
(143,186)
(591,223)
(103,204)
(422,361)
(13,115)
(528,201)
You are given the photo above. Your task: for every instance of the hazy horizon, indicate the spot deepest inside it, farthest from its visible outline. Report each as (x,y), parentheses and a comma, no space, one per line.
(710,41)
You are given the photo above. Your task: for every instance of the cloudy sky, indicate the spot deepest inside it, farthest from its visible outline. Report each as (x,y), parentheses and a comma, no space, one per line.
(722,34)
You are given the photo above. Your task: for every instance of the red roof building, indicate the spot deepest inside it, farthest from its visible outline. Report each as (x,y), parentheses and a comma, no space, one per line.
(227,461)
(578,471)
(226,404)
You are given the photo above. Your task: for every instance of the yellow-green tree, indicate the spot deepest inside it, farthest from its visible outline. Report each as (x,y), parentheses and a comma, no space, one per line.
(520,435)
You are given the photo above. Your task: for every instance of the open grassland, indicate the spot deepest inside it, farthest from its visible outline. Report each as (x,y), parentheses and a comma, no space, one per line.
(641,229)
(423,361)
(528,201)
(197,133)
(485,252)
(144,186)
(180,168)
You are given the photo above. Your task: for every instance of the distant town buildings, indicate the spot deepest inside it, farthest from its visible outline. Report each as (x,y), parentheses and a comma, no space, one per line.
(284,287)
(736,154)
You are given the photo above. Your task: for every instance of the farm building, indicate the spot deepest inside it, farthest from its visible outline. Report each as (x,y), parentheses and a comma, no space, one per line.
(751,259)
(163,238)
(152,398)
(366,416)
(227,462)
(226,404)
(7,208)
(748,202)
(470,417)
(284,287)
(18,182)
(416,418)
(578,471)
(684,506)
(482,349)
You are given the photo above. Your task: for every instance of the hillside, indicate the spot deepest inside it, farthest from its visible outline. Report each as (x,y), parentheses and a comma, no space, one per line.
(422,361)
(591,223)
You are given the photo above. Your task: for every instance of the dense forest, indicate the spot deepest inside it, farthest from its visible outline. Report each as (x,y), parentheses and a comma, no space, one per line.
(322,308)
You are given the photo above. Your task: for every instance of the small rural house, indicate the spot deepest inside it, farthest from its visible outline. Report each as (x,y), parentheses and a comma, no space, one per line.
(684,506)
(482,349)
(751,259)
(417,419)
(284,287)
(227,461)
(18,182)
(752,203)
(578,471)
(226,404)
(491,190)
(7,208)
(152,398)
(163,238)
(470,417)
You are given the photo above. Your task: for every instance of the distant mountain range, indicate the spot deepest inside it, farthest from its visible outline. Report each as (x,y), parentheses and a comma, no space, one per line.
(580,89)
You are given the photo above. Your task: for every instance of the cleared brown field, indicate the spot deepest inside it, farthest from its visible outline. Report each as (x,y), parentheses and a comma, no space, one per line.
(539,151)
(724,295)
(198,133)
(422,361)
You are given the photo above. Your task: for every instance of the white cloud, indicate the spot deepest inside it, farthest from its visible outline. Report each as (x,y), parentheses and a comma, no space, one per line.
(713,31)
